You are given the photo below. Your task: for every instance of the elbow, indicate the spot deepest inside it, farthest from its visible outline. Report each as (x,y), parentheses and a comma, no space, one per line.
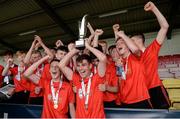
(61,65)
(3,74)
(104,58)
(165,26)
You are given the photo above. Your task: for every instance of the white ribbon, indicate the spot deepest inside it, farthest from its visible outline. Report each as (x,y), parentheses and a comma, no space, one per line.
(55,96)
(86,94)
(18,76)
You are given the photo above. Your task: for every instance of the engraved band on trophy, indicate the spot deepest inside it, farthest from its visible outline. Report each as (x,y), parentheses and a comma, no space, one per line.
(80,43)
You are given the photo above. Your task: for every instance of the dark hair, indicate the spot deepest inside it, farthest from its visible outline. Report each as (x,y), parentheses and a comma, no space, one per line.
(53,48)
(111,48)
(54,60)
(99,47)
(140,35)
(82,57)
(8,52)
(63,48)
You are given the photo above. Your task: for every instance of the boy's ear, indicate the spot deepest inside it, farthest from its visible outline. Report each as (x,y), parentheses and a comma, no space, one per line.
(90,65)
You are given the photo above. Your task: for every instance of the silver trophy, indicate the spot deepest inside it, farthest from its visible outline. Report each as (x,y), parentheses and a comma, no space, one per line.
(80,44)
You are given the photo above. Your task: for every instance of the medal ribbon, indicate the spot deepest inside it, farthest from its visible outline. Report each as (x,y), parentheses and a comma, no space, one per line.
(55,96)
(86,94)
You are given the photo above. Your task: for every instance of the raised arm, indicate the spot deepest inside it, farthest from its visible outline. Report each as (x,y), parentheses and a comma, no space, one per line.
(161,19)
(97,33)
(90,28)
(131,45)
(64,62)
(59,43)
(29,53)
(6,68)
(102,59)
(46,49)
(116,29)
(28,73)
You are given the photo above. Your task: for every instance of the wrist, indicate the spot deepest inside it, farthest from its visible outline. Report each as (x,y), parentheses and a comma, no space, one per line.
(154,10)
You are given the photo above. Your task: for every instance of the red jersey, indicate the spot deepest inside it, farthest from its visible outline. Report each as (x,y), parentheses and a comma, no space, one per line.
(65,97)
(1,77)
(150,61)
(133,89)
(95,103)
(112,80)
(17,78)
(39,72)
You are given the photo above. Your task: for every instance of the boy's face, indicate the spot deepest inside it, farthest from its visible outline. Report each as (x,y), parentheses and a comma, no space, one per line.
(84,68)
(35,57)
(114,54)
(6,57)
(21,57)
(121,47)
(138,41)
(54,70)
(60,54)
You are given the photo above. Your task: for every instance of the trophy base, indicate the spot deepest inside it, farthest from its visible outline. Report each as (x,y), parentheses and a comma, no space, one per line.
(80,44)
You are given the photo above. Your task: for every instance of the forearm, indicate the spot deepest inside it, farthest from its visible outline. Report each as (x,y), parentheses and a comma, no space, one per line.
(161,19)
(95,41)
(163,24)
(112,89)
(5,70)
(101,56)
(47,50)
(28,55)
(131,45)
(33,67)
(64,62)
(115,35)
(90,28)
(72,110)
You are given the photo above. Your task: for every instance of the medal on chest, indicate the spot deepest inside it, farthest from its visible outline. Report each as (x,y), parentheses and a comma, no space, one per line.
(55,94)
(85,93)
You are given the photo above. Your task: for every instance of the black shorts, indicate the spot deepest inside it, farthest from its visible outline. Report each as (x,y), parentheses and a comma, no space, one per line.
(19,97)
(36,100)
(111,104)
(145,104)
(159,98)
(3,97)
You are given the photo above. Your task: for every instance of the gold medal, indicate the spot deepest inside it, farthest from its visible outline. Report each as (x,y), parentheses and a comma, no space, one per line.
(55,106)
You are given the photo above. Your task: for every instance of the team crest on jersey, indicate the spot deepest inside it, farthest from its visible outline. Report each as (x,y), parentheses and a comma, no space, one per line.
(80,93)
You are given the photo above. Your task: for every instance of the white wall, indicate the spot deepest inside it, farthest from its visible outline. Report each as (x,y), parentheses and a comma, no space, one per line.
(169,47)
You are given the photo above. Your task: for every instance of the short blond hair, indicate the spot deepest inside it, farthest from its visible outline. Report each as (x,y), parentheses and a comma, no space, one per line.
(19,53)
